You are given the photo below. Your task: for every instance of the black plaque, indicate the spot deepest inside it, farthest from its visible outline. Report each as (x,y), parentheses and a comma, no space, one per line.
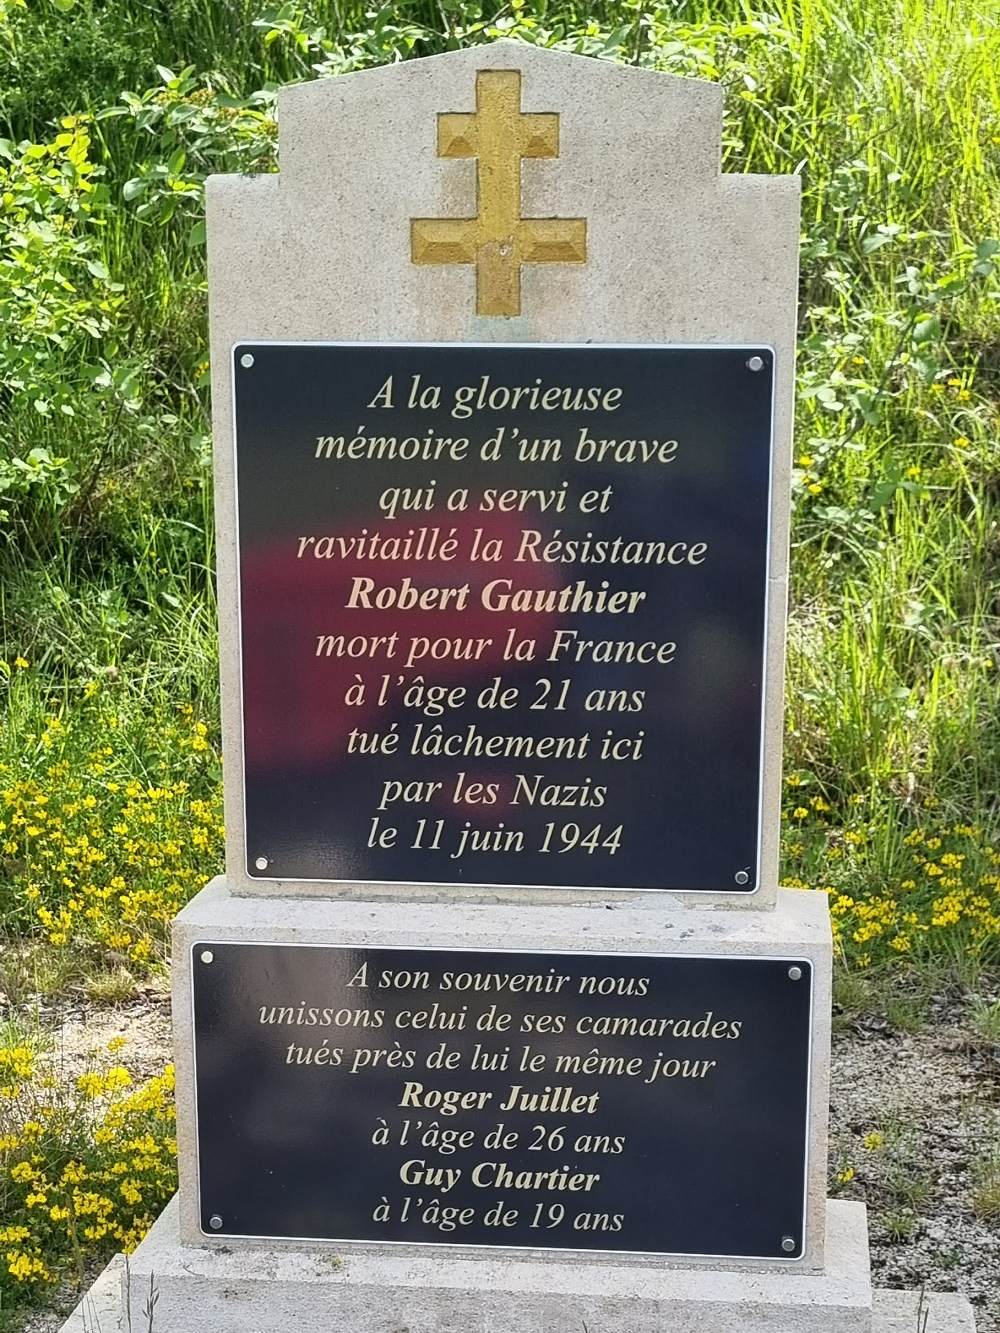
(613,1102)
(533,658)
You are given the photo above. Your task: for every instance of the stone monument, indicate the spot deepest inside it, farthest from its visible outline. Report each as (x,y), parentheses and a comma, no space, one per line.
(498,1016)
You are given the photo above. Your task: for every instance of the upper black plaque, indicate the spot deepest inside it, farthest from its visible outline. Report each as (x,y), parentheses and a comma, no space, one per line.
(502,612)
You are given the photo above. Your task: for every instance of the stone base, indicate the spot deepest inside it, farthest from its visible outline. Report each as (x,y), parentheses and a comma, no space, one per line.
(798,927)
(305,1291)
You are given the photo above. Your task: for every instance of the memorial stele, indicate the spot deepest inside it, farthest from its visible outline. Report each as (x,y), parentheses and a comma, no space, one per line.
(503,207)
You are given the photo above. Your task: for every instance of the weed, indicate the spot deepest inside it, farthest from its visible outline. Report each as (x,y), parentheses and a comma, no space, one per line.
(898,1223)
(984,1020)
(112,986)
(986,1186)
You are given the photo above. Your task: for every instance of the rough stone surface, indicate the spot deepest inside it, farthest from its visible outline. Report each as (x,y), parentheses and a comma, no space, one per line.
(101,1311)
(388,1290)
(893,1311)
(798,927)
(677,253)
(907,1311)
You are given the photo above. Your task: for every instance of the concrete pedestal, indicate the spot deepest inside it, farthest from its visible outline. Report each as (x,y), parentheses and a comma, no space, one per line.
(196,1281)
(225,1285)
(266,1290)
(798,927)
(368,1289)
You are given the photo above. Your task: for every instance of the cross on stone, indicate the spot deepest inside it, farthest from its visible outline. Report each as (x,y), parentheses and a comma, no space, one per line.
(498,240)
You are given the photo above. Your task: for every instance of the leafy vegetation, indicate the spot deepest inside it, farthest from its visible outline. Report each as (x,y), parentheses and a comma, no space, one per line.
(89,1164)
(113,112)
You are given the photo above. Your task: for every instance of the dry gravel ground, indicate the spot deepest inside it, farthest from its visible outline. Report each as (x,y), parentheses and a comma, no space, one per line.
(931,1099)
(931,1174)
(83,1031)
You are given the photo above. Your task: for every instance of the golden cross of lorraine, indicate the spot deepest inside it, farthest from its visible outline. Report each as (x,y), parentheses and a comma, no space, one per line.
(498,240)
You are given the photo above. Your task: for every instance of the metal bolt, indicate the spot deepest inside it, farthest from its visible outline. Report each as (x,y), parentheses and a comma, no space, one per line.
(795,973)
(787,1243)
(755,363)
(207,956)
(246,361)
(261,863)
(215,1222)
(741,877)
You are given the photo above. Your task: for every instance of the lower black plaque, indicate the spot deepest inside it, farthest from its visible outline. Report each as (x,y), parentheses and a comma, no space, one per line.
(586,1101)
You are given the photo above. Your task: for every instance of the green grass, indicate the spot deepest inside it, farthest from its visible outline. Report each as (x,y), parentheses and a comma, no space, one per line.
(889,111)
(986,1192)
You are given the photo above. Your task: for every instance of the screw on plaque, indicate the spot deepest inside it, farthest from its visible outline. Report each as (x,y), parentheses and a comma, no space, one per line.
(795,973)
(262,863)
(246,360)
(788,1244)
(207,956)
(215,1222)
(742,877)
(755,363)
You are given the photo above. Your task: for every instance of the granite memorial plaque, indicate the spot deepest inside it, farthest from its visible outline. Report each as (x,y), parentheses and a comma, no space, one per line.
(617,1102)
(502,612)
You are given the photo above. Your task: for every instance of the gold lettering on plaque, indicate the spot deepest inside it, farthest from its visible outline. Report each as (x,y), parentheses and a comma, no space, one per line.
(498,240)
